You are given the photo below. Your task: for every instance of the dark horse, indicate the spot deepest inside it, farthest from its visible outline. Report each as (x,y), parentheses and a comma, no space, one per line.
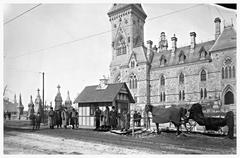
(165,115)
(211,123)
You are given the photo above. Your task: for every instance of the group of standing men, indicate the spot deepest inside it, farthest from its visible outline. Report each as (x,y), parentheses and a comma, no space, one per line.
(63,118)
(106,119)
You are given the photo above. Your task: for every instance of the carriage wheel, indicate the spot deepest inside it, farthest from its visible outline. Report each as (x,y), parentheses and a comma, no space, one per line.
(191,125)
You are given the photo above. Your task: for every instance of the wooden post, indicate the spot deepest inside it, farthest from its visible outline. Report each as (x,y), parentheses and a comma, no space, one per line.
(133,127)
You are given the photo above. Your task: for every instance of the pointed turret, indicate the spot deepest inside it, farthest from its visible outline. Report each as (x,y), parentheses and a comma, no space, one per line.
(30,107)
(20,107)
(68,102)
(38,104)
(58,99)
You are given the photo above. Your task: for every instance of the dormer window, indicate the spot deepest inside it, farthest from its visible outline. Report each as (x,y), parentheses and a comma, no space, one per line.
(182,57)
(163,61)
(202,53)
(132,63)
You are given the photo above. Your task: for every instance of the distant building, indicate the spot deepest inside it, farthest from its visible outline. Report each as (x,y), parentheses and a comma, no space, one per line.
(10,106)
(199,72)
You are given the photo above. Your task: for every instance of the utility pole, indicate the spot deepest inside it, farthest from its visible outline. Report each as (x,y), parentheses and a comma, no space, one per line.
(43,98)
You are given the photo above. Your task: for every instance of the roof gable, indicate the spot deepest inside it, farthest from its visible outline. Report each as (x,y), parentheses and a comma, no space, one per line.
(226,40)
(91,94)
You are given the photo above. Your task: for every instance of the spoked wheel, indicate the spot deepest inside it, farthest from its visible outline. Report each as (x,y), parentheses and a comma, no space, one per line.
(190,125)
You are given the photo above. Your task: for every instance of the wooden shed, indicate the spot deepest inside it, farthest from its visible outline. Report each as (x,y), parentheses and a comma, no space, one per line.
(102,95)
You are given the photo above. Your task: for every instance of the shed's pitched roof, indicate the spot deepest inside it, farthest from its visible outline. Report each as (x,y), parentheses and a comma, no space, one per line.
(226,40)
(91,94)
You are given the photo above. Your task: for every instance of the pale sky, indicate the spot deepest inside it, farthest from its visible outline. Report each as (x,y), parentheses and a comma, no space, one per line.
(27,42)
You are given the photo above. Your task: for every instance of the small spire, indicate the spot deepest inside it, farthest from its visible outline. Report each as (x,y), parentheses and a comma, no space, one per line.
(58,88)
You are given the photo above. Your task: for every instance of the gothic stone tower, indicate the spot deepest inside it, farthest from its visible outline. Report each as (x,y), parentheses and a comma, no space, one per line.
(129,56)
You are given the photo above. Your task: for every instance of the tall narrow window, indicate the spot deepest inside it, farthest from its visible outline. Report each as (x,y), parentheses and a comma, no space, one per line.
(164,97)
(162,80)
(181,78)
(203,75)
(161,97)
(179,96)
(183,95)
(133,82)
(226,72)
(205,93)
(201,93)
(230,72)
(233,69)
(222,72)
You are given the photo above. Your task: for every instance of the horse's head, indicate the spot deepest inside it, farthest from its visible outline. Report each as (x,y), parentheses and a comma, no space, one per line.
(148,108)
(195,113)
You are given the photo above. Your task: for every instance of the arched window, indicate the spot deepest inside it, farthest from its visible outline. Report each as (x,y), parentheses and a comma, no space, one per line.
(181,78)
(162,80)
(203,75)
(233,69)
(222,72)
(230,72)
(226,72)
(180,95)
(228,98)
(205,93)
(201,93)
(163,60)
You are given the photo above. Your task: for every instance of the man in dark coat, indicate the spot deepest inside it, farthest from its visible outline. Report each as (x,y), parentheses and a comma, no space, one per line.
(38,120)
(113,118)
(51,118)
(97,117)
(73,116)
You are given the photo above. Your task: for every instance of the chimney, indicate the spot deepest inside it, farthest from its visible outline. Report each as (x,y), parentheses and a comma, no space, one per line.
(174,43)
(193,40)
(155,48)
(217,22)
(149,44)
(163,36)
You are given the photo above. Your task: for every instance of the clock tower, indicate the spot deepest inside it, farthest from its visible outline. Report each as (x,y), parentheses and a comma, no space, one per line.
(127,22)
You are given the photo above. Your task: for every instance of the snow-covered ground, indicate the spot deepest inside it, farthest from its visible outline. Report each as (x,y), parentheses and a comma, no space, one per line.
(35,143)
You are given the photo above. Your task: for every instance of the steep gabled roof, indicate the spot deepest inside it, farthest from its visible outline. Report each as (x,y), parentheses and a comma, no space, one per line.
(91,94)
(226,40)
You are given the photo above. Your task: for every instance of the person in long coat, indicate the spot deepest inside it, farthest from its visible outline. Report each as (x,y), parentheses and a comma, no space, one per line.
(113,118)
(64,116)
(97,117)
(106,117)
(51,118)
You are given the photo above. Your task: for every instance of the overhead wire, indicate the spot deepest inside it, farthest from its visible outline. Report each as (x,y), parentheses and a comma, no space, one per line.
(97,34)
(22,14)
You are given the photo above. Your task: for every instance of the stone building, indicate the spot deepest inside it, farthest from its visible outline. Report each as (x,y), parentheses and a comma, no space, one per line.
(199,72)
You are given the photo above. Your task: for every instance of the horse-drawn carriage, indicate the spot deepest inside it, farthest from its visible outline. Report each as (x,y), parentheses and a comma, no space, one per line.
(177,116)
